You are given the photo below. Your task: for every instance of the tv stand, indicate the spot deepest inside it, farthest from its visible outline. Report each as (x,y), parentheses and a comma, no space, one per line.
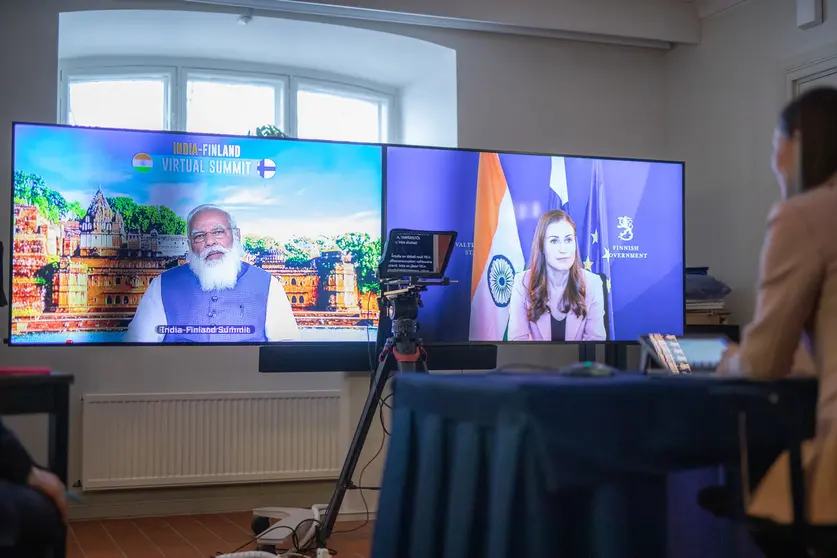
(615,354)
(587,352)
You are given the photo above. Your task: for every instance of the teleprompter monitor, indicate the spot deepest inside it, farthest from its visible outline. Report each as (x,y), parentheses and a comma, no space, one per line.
(417,254)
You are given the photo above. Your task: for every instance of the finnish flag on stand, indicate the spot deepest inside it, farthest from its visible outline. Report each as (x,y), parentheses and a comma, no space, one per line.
(559,197)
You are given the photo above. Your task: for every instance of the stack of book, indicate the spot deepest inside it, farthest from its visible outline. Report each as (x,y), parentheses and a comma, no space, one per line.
(706,312)
(705,298)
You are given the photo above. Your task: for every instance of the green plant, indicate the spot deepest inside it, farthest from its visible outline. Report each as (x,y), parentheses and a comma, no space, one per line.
(31,189)
(268,131)
(145,218)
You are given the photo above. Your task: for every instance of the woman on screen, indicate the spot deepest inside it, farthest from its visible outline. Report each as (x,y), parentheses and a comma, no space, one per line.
(556,299)
(797,299)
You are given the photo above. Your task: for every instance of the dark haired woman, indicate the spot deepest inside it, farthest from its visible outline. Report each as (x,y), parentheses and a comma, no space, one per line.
(556,299)
(797,299)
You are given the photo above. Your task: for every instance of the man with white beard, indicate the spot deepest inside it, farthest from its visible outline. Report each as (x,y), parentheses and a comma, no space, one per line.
(216,297)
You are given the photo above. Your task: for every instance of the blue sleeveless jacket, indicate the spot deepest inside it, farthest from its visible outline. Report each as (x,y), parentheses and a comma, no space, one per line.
(234,315)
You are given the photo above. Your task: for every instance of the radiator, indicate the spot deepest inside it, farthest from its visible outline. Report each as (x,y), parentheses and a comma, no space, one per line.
(158,440)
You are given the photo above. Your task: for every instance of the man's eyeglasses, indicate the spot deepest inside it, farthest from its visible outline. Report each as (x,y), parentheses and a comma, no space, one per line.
(219,233)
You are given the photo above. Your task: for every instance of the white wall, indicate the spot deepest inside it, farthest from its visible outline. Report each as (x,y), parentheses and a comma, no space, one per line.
(513,93)
(427,117)
(724,96)
(316,49)
(419,75)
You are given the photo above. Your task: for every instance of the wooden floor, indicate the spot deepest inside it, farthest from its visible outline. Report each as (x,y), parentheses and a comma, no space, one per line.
(196,536)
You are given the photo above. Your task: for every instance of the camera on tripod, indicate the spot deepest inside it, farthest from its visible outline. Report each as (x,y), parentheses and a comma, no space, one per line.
(412,261)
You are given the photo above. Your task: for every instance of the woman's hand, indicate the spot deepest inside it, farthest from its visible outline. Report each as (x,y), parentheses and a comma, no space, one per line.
(729,363)
(49,484)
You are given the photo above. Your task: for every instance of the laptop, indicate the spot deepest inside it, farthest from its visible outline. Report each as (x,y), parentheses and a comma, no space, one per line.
(688,354)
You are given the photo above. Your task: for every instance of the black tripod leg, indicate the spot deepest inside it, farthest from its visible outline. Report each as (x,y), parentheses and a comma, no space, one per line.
(367,416)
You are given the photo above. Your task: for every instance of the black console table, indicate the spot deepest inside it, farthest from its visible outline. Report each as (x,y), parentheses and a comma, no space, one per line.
(30,394)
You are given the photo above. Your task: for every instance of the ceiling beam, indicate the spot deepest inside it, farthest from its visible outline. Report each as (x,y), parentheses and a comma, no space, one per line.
(709,8)
(648,23)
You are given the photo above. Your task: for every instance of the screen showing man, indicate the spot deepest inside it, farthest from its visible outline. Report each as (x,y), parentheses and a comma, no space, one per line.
(125,236)
(215,297)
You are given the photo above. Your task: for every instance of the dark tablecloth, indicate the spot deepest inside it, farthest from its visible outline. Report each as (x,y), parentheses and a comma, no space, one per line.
(518,465)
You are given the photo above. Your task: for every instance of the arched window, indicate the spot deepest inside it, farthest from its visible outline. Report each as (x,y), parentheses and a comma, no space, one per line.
(301,299)
(293,300)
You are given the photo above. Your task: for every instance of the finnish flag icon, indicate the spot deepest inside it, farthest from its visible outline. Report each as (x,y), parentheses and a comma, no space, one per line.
(266,168)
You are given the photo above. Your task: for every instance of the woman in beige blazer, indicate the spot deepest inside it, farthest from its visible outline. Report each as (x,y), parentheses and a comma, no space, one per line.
(797,299)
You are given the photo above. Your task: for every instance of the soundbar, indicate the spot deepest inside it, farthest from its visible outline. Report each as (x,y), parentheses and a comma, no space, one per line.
(359,357)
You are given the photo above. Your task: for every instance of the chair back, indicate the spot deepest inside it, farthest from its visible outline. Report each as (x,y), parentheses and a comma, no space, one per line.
(765,397)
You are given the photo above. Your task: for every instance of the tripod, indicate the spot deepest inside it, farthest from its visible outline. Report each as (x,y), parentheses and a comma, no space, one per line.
(404,349)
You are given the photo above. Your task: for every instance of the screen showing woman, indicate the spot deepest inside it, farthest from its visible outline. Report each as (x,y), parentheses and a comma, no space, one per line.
(556,299)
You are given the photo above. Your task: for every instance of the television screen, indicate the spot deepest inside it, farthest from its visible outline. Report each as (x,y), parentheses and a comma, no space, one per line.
(156,237)
(549,248)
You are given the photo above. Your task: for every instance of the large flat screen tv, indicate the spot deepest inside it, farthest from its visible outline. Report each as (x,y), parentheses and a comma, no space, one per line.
(555,249)
(156,237)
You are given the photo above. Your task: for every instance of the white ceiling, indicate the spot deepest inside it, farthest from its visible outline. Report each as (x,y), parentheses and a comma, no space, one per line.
(333,49)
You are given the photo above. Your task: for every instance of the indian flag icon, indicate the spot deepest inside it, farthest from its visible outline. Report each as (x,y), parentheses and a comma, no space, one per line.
(143,162)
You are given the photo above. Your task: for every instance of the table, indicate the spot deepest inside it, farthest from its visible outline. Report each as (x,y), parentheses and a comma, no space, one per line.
(22,394)
(544,465)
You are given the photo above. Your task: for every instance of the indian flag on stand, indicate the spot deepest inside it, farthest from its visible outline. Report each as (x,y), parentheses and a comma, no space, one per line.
(497,253)
(143,162)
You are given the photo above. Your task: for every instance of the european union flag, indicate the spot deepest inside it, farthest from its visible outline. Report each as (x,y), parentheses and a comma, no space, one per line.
(593,241)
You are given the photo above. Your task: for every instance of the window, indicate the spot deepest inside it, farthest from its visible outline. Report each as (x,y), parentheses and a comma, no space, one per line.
(232,107)
(139,103)
(222,101)
(330,114)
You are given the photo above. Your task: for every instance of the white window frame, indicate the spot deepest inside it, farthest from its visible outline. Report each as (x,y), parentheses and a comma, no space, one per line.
(127,72)
(279,82)
(385,102)
(176,73)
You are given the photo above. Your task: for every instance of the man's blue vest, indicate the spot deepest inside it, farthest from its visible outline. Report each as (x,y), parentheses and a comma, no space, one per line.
(219,316)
